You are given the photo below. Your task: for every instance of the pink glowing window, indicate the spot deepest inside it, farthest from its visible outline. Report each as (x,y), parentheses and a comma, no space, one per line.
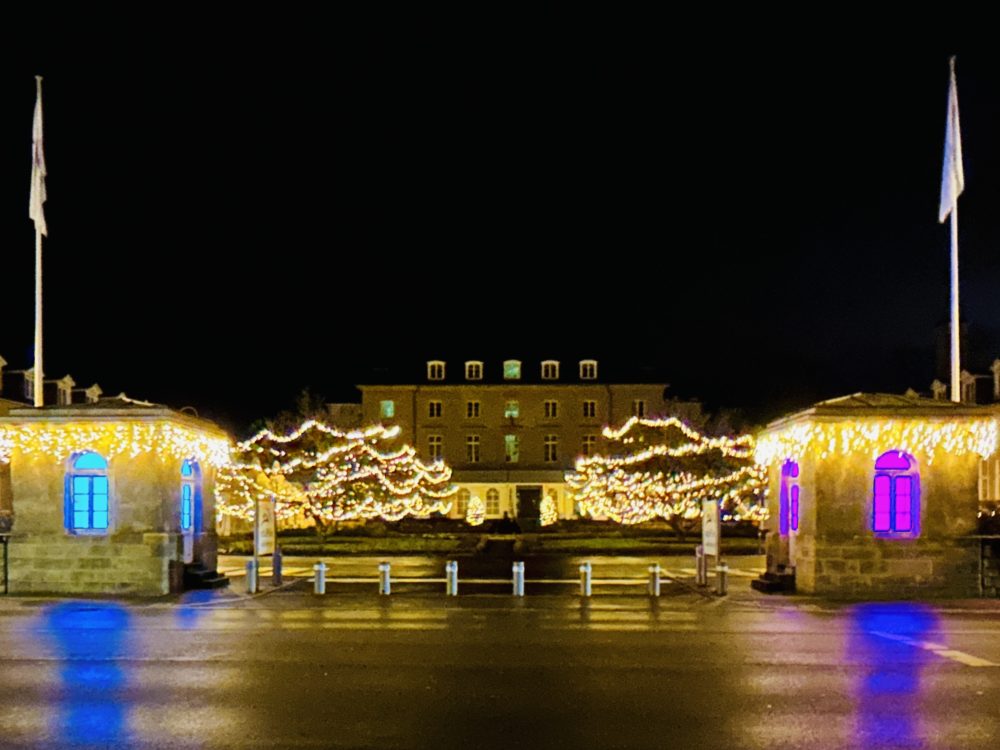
(788,498)
(895,502)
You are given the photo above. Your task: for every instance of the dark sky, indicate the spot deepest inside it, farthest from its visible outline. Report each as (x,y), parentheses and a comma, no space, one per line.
(236,213)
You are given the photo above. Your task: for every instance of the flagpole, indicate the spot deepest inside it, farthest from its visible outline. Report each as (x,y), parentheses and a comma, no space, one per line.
(956,367)
(39,373)
(39,394)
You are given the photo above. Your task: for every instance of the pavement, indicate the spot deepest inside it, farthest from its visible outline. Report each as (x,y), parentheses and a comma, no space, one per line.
(289,669)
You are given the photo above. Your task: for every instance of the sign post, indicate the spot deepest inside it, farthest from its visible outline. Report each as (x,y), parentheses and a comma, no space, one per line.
(710,527)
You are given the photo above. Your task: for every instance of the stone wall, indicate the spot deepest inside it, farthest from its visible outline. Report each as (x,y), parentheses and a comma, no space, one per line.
(848,559)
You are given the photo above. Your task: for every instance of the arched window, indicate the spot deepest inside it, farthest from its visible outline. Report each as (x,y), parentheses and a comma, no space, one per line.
(463,501)
(190,493)
(896,495)
(788,498)
(492,502)
(87,506)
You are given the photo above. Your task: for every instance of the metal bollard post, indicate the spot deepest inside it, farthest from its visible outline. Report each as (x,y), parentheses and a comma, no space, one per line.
(319,579)
(654,579)
(251,576)
(276,567)
(451,578)
(518,579)
(700,566)
(722,579)
(384,579)
(585,573)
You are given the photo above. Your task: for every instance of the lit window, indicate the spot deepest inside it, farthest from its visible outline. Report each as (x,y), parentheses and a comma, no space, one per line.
(462,502)
(550,370)
(551,409)
(551,448)
(87,504)
(433,409)
(989,473)
(511,370)
(896,495)
(190,490)
(387,409)
(472,449)
(511,448)
(639,408)
(492,503)
(511,410)
(435,446)
(472,409)
(435,370)
(589,409)
(589,441)
(473,370)
(588,369)
(788,498)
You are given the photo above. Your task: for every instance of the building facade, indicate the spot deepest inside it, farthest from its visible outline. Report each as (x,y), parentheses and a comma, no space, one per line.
(112,497)
(874,495)
(512,429)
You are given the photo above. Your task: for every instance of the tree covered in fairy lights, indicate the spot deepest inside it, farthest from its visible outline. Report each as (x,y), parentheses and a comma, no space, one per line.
(330,475)
(664,468)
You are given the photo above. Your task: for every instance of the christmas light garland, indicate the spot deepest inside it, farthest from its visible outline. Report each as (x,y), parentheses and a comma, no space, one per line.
(873,437)
(60,440)
(475,512)
(620,488)
(548,514)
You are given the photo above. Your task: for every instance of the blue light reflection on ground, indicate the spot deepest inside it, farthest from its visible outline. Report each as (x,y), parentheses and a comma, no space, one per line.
(89,637)
(887,694)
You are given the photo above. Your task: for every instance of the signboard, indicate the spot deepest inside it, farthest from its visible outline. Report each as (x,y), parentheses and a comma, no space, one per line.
(264,528)
(710,527)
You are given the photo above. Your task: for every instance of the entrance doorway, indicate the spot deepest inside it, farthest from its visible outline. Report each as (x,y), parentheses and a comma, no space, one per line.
(529,502)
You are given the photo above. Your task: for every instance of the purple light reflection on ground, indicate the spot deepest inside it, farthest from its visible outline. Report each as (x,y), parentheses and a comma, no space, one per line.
(888,691)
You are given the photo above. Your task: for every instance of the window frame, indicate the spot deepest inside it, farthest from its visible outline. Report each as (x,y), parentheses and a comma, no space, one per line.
(492,509)
(434,409)
(473,370)
(435,369)
(588,369)
(588,445)
(589,409)
(896,478)
(387,405)
(550,369)
(517,364)
(509,456)
(550,446)
(473,448)
(435,447)
(639,408)
(73,473)
(473,409)
(550,408)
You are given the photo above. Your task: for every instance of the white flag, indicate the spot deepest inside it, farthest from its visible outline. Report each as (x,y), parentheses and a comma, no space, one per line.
(35,209)
(952,176)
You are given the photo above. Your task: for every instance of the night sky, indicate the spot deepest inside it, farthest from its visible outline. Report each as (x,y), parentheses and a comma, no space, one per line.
(238,213)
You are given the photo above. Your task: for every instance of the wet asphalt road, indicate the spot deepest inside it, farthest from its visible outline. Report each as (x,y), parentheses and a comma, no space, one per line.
(290,670)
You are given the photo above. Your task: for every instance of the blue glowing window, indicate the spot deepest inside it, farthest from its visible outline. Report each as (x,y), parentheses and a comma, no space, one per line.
(190,496)
(895,495)
(788,498)
(87,504)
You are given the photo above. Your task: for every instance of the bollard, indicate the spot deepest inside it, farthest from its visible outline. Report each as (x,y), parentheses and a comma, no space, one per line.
(251,576)
(585,574)
(700,566)
(276,567)
(518,579)
(451,578)
(319,580)
(654,579)
(722,576)
(384,579)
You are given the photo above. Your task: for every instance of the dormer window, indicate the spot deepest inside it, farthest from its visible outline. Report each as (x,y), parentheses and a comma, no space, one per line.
(512,369)
(435,370)
(588,369)
(550,370)
(473,370)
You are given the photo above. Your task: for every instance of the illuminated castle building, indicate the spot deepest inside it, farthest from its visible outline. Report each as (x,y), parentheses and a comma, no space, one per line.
(511,429)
